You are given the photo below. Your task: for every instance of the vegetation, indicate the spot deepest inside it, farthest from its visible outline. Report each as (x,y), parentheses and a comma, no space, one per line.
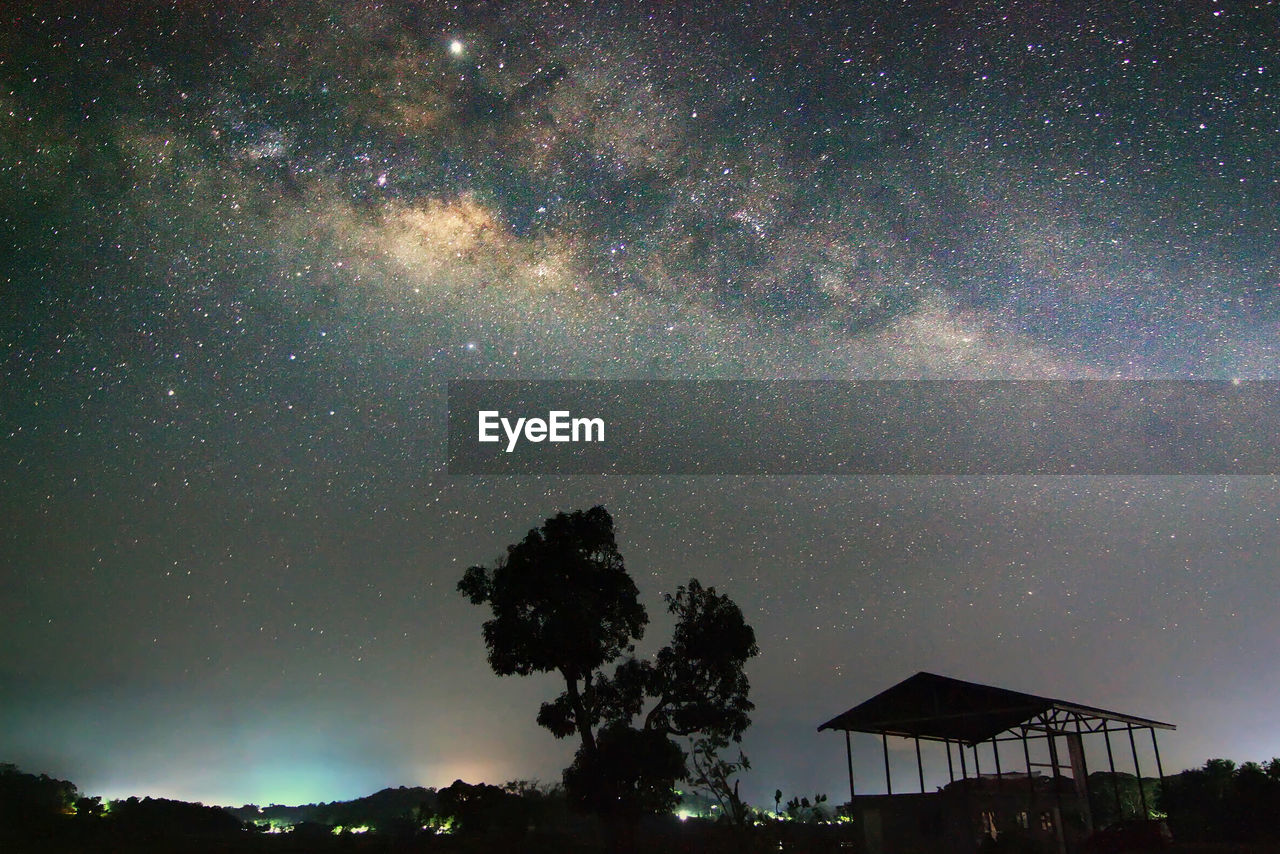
(562,602)
(164,817)
(50,815)
(1224,803)
(1219,803)
(1115,796)
(32,800)
(711,773)
(394,811)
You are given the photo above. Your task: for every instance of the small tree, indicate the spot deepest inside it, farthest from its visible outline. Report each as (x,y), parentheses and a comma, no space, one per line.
(714,774)
(561,601)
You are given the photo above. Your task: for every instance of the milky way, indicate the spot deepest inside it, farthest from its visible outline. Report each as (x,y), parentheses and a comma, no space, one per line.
(247,246)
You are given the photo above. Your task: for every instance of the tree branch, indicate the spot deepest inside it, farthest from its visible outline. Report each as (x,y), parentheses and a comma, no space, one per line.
(649,718)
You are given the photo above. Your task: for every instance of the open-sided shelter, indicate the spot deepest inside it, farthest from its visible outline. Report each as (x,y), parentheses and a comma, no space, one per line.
(1013,792)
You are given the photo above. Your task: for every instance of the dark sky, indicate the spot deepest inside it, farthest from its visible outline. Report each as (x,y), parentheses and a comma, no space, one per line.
(246,245)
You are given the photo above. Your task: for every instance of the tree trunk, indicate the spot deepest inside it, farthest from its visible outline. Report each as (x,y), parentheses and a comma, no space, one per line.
(580,714)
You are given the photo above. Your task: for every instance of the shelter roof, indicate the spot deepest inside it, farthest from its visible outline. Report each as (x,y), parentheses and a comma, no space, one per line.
(944,709)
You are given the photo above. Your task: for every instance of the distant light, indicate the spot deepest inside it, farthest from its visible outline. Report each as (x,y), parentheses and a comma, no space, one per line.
(456,47)
(360,828)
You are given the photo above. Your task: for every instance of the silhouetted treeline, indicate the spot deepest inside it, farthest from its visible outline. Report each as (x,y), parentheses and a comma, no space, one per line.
(1224,803)
(162,817)
(1218,803)
(48,815)
(40,813)
(26,799)
(391,810)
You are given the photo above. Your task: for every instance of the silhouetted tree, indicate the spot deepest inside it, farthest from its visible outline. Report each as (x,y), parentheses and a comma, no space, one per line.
(800,809)
(89,808)
(714,774)
(28,799)
(632,772)
(482,808)
(562,602)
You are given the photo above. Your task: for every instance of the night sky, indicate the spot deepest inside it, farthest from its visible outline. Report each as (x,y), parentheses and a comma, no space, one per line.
(246,245)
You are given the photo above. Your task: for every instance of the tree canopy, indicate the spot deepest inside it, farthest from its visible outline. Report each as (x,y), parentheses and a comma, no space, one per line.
(562,601)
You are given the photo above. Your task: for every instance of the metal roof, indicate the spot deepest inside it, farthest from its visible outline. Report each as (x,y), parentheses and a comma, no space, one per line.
(941,708)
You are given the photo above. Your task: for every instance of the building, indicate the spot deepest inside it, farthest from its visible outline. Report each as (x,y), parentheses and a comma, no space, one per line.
(1032,787)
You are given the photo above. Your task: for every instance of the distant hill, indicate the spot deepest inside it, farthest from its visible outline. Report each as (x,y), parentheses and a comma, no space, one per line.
(387,810)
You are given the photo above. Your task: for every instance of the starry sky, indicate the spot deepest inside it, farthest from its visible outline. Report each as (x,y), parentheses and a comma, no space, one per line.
(246,245)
